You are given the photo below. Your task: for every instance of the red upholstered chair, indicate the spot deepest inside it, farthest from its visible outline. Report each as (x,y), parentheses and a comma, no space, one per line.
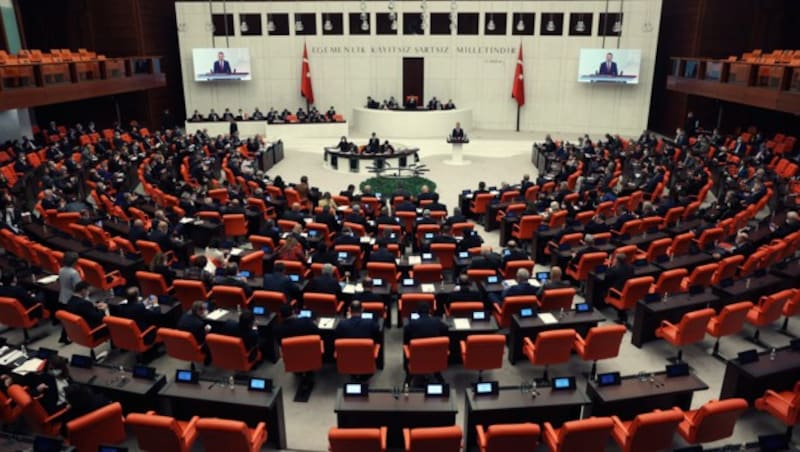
(293,267)
(430,439)
(555,299)
(154,432)
(409,302)
(96,276)
(79,332)
(511,268)
(729,321)
(125,334)
(302,353)
(709,238)
(458,229)
(784,405)
(352,250)
(669,281)
(672,217)
(357,439)
(585,265)
(480,274)
(681,244)
(235,225)
(480,204)
(634,290)
(181,345)
(551,347)
(426,356)
(727,268)
(483,352)
(231,436)
(385,271)
(269,299)
(36,418)
(691,329)
(253,263)
(700,277)
(713,421)
(377,308)
(150,249)
(13,314)
(657,251)
(648,431)
(511,306)
(100,427)
(152,284)
(187,291)
(463,308)
(229,297)
(445,253)
(229,353)
(356,356)
(259,242)
(322,304)
(427,273)
(602,342)
(629,229)
(768,310)
(790,309)
(585,435)
(508,437)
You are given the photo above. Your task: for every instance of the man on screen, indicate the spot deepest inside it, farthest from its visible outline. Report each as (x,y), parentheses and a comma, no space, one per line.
(608,67)
(221,66)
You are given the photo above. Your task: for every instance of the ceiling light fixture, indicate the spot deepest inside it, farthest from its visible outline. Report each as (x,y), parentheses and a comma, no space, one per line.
(551,25)
(327,25)
(491,25)
(270,24)
(520,24)
(580,26)
(244,27)
(298,25)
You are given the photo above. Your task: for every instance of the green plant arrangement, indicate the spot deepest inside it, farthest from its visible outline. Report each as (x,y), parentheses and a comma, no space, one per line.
(386,185)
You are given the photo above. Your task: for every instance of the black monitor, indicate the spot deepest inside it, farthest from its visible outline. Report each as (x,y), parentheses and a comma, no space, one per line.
(563,383)
(144,372)
(186,376)
(609,379)
(81,361)
(486,388)
(748,356)
(356,390)
(47,444)
(260,384)
(677,370)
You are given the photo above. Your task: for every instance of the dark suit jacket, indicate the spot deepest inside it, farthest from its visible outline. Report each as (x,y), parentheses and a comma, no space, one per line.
(162,239)
(136,233)
(382,255)
(424,326)
(19,293)
(294,326)
(491,261)
(223,68)
(193,324)
(249,337)
(137,312)
(618,274)
(606,70)
(358,328)
(324,284)
(281,283)
(520,289)
(86,309)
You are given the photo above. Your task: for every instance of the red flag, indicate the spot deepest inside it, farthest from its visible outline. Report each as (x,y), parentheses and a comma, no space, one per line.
(305,77)
(518,92)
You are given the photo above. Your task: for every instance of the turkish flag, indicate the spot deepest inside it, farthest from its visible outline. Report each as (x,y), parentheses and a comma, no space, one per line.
(518,92)
(305,84)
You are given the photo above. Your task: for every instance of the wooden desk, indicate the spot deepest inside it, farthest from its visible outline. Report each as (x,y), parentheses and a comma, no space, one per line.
(687,261)
(381,408)
(596,286)
(212,399)
(265,325)
(633,397)
(648,316)
(488,326)
(532,326)
(750,381)
(790,271)
(683,227)
(135,394)
(511,405)
(741,291)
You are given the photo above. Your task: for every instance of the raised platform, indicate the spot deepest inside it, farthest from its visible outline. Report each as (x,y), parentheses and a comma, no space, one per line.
(412,124)
(355,163)
(214,128)
(283,131)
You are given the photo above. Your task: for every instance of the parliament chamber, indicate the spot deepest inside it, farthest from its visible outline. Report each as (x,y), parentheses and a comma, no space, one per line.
(565,227)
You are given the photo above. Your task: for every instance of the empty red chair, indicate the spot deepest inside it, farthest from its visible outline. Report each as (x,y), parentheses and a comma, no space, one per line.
(181,345)
(784,406)
(585,265)
(187,291)
(657,251)
(231,436)
(669,281)
(634,290)
(555,299)
(13,314)
(729,321)
(701,276)
(96,276)
(426,356)
(259,242)
(445,253)
(302,353)
(630,228)
(511,306)
(673,216)
(229,297)
(647,431)
(601,342)
(681,244)
(551,347)
(154,432)
(385,271)
(34,414)
(483,352)
(511,268)
(691,329)
(103,426)
(709,238)
(713,421)
(790,309)
(356,356)
(152,284)
(235,225)
(79,332)
(463,308)
(508,437)
(768,309)
(150,249)
(228,352)
(480,205)
(585,435)
(125,334)
(253,263)
(480,274)
(727,269)
(433,439)
(269,299)
(357,439)
(322,304)
(427,273)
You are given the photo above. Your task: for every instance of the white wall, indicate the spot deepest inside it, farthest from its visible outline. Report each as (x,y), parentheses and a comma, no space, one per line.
(14,124)
(372,65)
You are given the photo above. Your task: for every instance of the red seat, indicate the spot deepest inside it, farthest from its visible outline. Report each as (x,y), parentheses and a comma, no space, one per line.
(253,263)
(357,439)
(445,253)
(463,308)
(426,356)
(555,299)
(483,352)
(480,205)
(229,297)
(433,439)
(385,271)
(669,281)
(231,436)
(409,302)
(356,356)
(768,309)
(96,276)
(551,347)
(657,251)
(691,329)
(228,352)
(427,273)
(700,277)
(727,268)
(713,421)
(150,250)
(13,314)
(302,353)
(235,225)
(511,268)
(585,435)
(354,251)
(784,406)
(103,426)
(322,304)
(269,299)
(681,244)
(648,431)
(78,330)
(36,418)
(125,334)
(634,290)
(152,284)
(508,437)
(602,342)
(585,265)
(181,345)
(511,306)
(187,291)
(729,321)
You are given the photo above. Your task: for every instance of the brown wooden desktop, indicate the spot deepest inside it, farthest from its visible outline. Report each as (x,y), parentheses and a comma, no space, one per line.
(530,327)
(634,395)
(751,380)
(136,395)
(648,316)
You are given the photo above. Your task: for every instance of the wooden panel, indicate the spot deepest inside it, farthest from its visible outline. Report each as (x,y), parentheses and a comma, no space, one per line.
(772,99)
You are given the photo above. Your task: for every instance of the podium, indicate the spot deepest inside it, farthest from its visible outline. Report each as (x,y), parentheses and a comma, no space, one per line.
(457,157)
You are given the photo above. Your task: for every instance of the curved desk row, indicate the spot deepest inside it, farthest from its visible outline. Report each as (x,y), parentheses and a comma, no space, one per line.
(251,128)
(410,123)
(349,162)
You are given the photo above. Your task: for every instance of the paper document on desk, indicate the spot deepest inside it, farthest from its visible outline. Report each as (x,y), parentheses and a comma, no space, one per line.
(548,318)
(414,260)
(216,314)
(349,289)
(10,357)
(185,220)
(31,365)
(509,283)
(326,323)
(47,279)
(428,288)
(236,251)
(461,324)
(535,282)
(366,239)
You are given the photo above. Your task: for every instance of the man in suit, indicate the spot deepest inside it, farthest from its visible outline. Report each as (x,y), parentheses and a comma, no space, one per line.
(325,283)
(355,216)
(436,206)
(231,278)
(277,281)
(160,235)
(356,327)
(373,145)
(597,225)
(790,224)
(137,232)
(466,291)
(382,254)
(425,193)
(588,241)
(221,66)
(608,67)
(513,253)
(555,282)
(405,206)
(456,217)
(11,288)
(346,237)
(620,272)
(423,327)
(523,287)
(487,260)
(624,217)
(80,305)
(136,311)
(243,329)
(294,214)
(367,295)
(458,132)
(292,326)
(194,322)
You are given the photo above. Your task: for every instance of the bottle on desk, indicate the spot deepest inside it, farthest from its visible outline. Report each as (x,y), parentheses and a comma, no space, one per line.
(232,382)
(405,390)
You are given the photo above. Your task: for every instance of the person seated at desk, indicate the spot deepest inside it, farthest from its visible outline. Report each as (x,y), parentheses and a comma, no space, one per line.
(357,327)
(48,386)
(790,224)
(350,192)
(471,239)
(456,217)
(424,326)
(464,291)
(373,145)
(231,277)
(523,287)
(372,103)
(588,242)
(213,116)
(355,216)
(301,115)
(327,214)
(597,225)
(245,330)
(384,217)
(160,264)
(291,325)
(135,310)
(160,235)
(443,236)
(257,115)
(619,272)
(392,103)
(405,205)
(193,321)
(10,288)
(323,255)
(81,401)
(80,305)
(344,145)
(425,194)
(436,206)
(347,237)
(277,281)
(382,254)
(449,105)
(487,260)
(196,117)
(425,218)
(294,214)
(457,133)
(623,217)
(291,250)
(271,116)
(367,295)
(325,283)
(554,282)
(197,271)
(330,114)
(227,115)
(513,253)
